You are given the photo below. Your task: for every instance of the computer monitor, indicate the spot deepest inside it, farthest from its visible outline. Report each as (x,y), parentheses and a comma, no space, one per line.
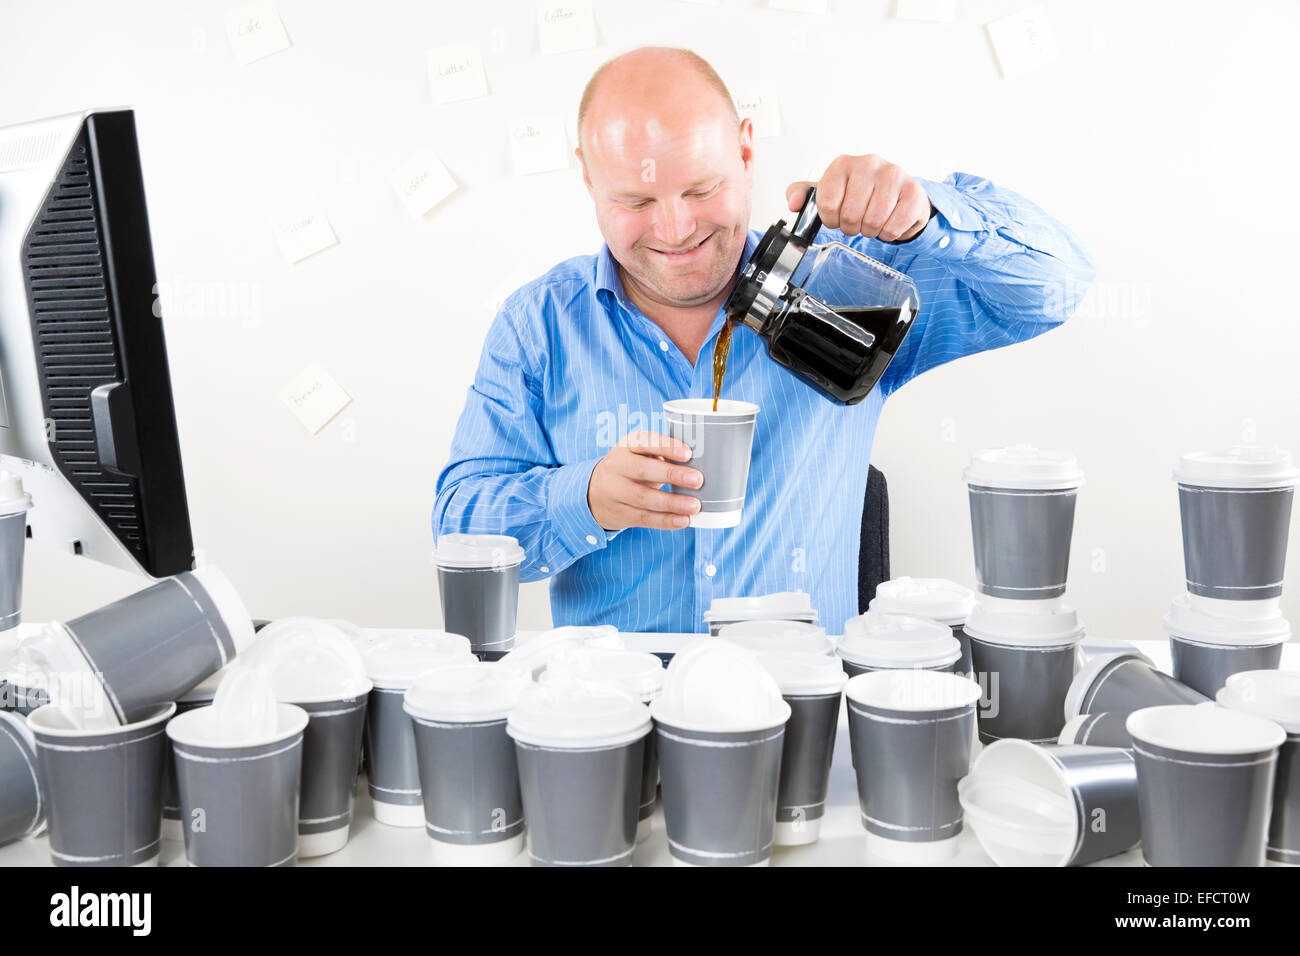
(86,415)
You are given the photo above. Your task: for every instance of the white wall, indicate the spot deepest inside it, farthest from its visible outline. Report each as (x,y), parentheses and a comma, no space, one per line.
(1165,135)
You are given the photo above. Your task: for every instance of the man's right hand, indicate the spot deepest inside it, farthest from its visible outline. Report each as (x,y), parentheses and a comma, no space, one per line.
(624,489)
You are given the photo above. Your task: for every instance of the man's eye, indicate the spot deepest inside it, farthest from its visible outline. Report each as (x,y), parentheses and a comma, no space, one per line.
(637,205)
(705,193)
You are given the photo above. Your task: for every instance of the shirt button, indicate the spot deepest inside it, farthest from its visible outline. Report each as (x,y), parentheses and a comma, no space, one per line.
(955,218)
(710,570)
(943,243)
(591,539)
(545,569)
(663,346)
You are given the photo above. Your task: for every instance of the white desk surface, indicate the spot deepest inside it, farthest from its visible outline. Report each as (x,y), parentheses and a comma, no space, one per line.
(842,840)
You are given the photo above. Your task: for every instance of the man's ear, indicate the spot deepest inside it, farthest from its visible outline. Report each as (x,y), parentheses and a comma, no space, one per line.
(747,145)
(586,180)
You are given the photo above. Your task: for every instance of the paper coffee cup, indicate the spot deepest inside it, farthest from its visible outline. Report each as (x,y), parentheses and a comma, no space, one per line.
(1235,506)
(580,749)
(812,684)
(198,696)
(779,606)
(468,771)
(1122,683)
(1022,519)
(1205,784)
(223,822)
(102,787)
(935,599)
(1025,666)
(1275,695)
(392,664)
(14,503)
(639,675)
(911,733)
(720,444)
(1207,649)
(1033,805)
(720,723)
(874,641)
(478,581)
(125,660)
(22,809)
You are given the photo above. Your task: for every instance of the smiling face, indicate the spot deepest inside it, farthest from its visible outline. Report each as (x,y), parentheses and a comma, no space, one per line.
(670,172)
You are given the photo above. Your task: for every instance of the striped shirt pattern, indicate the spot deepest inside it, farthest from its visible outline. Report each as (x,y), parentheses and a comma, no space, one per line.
(570,366)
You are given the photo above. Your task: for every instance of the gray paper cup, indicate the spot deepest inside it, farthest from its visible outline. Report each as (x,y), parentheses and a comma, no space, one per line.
(330,751)
(935,599)
(127,659)
(1275,695)
(1205,784)
(478,583)
(22,810)
(1104,729)
(1025,665)
(1033,805)
(720,444)
(719,791)
(877,641)
(13,543)
(103,788)
(1123,683)
(812,684)
(1022,541)
(1208,648)
(239,801)
(911,733)
(581,752)
(468,771)
(1234,540)
(171,827)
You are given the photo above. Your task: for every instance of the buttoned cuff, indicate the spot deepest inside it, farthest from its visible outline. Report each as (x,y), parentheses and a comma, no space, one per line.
(569,513)
(954,228)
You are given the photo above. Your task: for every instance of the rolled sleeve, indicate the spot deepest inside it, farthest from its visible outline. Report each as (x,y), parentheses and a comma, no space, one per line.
(953,230)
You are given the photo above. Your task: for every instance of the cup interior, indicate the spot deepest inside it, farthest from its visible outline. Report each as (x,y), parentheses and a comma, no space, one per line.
(1200,729)
(52,721)
(199,728)
(703,407)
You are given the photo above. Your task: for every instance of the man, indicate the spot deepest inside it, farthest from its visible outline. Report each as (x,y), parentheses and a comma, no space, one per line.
(560,442)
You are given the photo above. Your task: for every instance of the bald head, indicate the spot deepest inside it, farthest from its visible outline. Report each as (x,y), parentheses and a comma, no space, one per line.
(654,79)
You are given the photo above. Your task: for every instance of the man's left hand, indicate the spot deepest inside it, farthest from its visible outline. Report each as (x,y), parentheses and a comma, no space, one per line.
(867,195)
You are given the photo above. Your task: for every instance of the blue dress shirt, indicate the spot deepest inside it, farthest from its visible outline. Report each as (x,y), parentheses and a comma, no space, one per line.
(570,366)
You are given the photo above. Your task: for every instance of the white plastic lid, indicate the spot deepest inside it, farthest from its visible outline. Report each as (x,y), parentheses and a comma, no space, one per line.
(19,724)
(717,686)
(535,652)
(1086,676)
(874,639)
(477,551)
(912,690)
(783,605)
(1192,624)
(1020,806)
(205,689)
(804,674)
(396,660)
(1049,627)
(570,714)
(244,709)
(1271,694)
(761,636)
(1024,467)
(461,693)
(637,674)
(309,661)
(936,598)
(1201,729)
(1242,466)
(12,496)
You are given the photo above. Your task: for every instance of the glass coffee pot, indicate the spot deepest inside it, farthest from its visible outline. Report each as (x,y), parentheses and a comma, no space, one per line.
(831,315)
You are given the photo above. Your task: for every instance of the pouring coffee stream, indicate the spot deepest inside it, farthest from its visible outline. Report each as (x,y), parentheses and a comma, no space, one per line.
(835,318)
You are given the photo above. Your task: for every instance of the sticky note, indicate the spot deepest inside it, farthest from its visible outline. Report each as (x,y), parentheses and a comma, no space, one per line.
(764,109)
(538,144)
(935,11)
(563,27)
(1023,41)
(255,31)
(422,182)
(314,397)
(799,6)
(302,230)
(456,73)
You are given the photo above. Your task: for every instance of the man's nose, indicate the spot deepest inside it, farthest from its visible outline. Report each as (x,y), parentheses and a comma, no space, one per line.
(676,223)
